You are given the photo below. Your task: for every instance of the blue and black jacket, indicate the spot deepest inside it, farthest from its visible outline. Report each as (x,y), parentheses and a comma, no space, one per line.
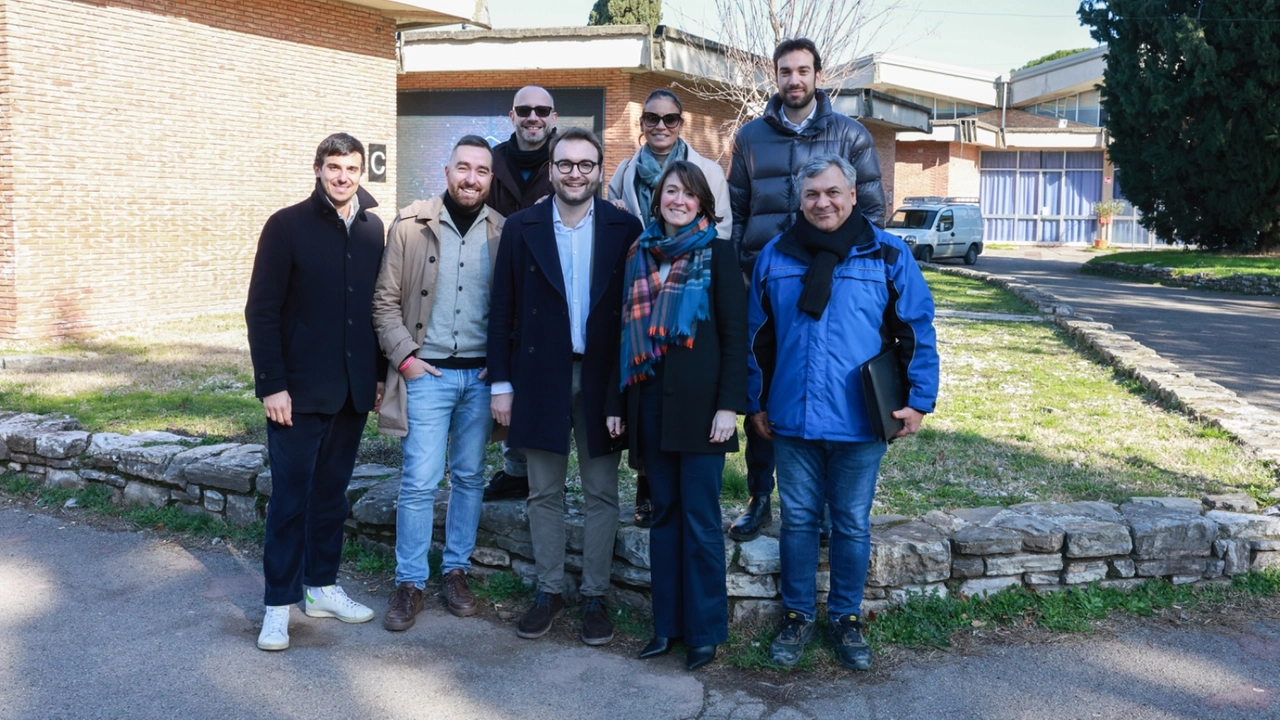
(805,372)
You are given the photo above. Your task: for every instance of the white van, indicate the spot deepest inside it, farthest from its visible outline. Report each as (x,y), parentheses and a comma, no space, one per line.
(937,227)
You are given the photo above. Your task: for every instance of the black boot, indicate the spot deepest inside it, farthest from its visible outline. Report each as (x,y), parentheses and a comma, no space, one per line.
(506,487)
(759,514)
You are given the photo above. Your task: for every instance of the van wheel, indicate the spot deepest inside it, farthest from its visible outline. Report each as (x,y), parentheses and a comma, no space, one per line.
(971,255)
(926,254)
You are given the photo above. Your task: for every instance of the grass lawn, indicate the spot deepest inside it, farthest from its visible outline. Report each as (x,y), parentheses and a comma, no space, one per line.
(1187,262)
(1022,415)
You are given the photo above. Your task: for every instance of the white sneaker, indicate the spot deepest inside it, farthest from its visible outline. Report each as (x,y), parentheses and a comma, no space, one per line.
(332,602)
(275,628)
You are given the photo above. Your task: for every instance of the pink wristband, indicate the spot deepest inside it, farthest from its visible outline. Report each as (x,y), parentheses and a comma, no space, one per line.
(407,362)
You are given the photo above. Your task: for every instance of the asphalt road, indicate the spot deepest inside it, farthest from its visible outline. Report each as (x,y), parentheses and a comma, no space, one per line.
(111,624)
(1233,340)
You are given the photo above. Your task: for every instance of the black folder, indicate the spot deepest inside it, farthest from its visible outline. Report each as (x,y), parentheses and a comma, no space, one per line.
(885,386)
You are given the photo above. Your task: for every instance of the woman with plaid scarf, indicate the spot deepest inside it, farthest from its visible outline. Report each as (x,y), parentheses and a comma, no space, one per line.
(683,373)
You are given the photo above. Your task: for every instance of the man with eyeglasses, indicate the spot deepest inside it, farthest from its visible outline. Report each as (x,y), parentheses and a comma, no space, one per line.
(520,179)
(554,329)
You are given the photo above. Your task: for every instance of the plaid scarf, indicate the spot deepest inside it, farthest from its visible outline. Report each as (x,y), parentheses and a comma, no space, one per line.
(657,314)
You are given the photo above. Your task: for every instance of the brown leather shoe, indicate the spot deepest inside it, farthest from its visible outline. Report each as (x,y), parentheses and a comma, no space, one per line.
(458,594)
(406,603)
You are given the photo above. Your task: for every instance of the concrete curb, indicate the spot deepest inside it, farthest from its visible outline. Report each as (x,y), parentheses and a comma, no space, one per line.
(1200,399)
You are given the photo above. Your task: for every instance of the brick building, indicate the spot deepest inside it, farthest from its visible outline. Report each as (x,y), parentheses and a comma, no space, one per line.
(143,143)
(458,82)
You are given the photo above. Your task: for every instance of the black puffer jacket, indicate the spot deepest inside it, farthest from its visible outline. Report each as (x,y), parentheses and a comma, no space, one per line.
(767,153)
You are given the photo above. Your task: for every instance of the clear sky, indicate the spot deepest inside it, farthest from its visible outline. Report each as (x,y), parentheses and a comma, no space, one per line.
(992,35)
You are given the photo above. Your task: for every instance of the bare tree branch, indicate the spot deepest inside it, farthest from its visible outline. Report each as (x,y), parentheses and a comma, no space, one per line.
(843,30)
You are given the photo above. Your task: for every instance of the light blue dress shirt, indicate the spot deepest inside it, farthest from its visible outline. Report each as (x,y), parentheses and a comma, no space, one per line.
(574,244)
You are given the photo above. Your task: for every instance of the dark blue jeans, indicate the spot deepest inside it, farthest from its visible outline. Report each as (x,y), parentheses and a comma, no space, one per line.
(842,475)
(686,545)
(311,463)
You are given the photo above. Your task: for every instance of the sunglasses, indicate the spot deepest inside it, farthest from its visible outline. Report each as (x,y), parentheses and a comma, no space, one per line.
(651,120)
(524,110)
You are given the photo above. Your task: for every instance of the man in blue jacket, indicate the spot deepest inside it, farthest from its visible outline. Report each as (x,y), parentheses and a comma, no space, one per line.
(798,124)
(827,295)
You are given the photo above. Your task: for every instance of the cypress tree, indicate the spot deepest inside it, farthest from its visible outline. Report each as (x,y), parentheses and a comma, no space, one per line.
(626,12)
(1192,96)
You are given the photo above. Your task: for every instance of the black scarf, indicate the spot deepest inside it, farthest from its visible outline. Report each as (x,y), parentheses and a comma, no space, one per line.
(521,160)
(462,218)
(827,249)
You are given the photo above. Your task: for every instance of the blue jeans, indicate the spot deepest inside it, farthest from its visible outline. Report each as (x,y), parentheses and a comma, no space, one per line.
(447,412)
(843,475)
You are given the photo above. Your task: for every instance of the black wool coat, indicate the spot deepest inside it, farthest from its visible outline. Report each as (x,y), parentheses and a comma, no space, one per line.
(310,306)
(710,376)
(529,340)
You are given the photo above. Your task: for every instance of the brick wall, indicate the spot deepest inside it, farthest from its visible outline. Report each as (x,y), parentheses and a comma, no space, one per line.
(886,150)
(963,175)
(150,139)
(624,101)
(921,168)
(8,256)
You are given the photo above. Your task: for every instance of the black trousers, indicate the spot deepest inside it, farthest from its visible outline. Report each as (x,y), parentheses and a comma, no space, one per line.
(759,457)
(686,545)
(311,463)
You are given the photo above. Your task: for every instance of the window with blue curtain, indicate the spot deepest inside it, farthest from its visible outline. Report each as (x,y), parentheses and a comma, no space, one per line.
(1040,195)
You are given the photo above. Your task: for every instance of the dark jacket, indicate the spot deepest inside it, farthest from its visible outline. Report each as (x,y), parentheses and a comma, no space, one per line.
(310,306)
(505,194)
(710,376)
(529,340)
(766,154)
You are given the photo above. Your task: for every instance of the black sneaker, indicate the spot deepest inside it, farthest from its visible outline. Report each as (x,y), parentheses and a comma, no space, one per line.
(851,649)
(506,487)
(597,628)
(537,619)
(796,632)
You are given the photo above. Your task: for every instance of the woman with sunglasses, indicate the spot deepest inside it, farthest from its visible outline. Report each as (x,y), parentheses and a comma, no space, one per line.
(632,189)
(684,379)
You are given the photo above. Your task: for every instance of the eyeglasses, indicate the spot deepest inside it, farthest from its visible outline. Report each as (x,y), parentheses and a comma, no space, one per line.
(584,166)
(524,110)
(651,120)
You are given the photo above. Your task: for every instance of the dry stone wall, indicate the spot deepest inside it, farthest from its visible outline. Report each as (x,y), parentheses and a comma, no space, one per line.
(1045,546)
(1243,284)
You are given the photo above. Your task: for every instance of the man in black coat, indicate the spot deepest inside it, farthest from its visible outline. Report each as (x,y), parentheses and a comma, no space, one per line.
(797,124)
(554,328)
(521,178)
(316,367)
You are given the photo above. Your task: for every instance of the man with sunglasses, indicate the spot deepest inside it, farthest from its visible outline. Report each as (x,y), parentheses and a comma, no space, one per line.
(798,124)
(554,330)
(520,179)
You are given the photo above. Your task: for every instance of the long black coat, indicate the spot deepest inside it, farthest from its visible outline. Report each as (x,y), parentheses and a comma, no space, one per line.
(710,376)
(766,156)
(529,340)
(310,306)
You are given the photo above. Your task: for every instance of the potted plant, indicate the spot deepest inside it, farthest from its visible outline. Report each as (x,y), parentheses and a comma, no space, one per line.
(1104,211)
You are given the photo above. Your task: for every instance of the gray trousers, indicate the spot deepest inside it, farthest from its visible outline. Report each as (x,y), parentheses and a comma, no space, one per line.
(546,507)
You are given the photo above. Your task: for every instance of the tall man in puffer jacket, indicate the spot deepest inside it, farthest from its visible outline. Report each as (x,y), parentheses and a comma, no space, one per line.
(827,295)
(798,124)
